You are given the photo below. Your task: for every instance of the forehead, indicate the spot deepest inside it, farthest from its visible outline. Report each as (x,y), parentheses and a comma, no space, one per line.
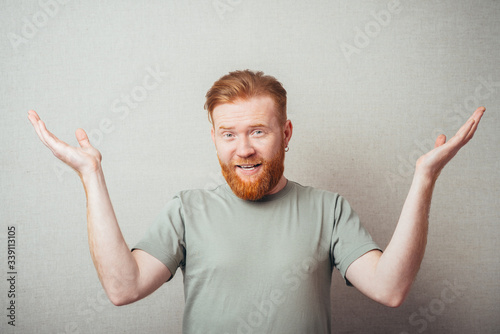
(260,109)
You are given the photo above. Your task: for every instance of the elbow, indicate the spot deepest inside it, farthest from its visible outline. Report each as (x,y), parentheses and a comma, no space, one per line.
(118,301)
(392,295)
(121,298)
(392,300)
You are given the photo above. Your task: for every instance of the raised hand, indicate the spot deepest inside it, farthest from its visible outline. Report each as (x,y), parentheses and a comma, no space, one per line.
(84,159)
(434,161)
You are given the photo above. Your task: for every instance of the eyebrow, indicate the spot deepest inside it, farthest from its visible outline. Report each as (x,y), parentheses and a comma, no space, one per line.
(258,125)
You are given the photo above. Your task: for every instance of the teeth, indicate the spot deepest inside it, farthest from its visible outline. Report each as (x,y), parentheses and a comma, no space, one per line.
(248,167)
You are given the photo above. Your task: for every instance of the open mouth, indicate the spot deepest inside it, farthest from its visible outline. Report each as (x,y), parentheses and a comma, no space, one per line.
(248,167)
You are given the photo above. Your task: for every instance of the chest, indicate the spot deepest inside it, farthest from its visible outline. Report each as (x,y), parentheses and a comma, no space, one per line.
(255,243)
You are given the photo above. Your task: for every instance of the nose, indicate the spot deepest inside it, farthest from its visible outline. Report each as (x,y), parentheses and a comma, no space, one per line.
(245,148)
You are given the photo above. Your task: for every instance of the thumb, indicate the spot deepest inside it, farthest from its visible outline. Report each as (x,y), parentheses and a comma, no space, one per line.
(441,139)
(82,138)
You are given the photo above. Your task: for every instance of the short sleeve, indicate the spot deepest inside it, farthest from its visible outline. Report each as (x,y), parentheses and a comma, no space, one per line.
(350,239)
(165,237)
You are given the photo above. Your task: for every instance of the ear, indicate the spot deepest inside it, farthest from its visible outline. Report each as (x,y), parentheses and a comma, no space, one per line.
(287,131)
(212,133)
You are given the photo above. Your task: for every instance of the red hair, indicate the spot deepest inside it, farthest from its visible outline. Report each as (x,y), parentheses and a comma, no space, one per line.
(245,85)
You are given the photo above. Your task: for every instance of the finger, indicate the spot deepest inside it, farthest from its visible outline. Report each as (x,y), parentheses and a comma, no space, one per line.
(466,132)
(467,127)
(34,119)
(33,113)
(471,132)
(82,138)
(44,133)
(460,138)
(50,140)
(440,140)
(479,112)
(476,116)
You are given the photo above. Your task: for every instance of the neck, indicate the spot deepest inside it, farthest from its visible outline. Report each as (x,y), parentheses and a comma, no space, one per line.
(281,184)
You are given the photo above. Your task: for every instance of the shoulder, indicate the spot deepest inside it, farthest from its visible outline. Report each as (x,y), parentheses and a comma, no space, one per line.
(194,196)
(193,201)
(329,200)
(313,192)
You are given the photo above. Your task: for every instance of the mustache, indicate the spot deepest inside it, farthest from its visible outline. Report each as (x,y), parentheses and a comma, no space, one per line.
(254,161)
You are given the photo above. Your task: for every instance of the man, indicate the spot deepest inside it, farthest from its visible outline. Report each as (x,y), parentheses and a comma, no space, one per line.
(256,253)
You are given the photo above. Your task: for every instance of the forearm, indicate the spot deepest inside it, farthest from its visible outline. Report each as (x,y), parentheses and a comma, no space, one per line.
(125,276)
(116,267)
(387,277)
(400,262)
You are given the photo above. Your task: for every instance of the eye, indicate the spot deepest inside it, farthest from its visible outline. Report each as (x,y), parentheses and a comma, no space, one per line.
(227,135)
(258,132)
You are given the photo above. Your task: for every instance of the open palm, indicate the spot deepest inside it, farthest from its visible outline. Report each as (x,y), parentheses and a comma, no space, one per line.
(84,159)
(434,161)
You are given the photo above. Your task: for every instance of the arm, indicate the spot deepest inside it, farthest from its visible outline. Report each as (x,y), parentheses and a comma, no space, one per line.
(387,277)
(125,276)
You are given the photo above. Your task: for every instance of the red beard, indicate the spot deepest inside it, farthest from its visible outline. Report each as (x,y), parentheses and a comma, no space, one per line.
(260,185)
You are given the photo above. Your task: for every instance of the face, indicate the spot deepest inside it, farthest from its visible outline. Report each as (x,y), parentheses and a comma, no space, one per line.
(250,145)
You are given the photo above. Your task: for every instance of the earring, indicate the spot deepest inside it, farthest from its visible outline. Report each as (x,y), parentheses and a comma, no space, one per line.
(287,149)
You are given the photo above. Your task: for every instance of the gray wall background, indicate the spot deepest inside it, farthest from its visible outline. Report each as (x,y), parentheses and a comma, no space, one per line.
(368,94)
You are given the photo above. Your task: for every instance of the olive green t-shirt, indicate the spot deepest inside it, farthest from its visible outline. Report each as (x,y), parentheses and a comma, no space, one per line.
(257,266)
